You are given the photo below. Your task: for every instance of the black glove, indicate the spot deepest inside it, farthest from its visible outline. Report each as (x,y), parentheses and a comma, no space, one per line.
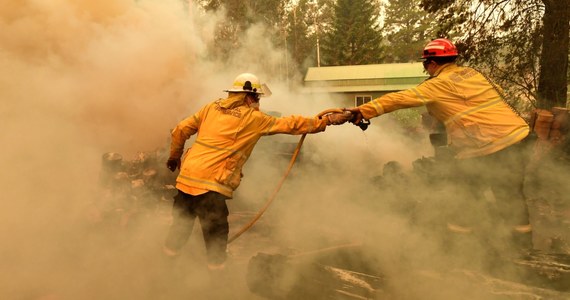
(173,164)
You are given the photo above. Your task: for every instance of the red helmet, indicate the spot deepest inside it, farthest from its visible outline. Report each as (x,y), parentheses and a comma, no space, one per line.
(439,48)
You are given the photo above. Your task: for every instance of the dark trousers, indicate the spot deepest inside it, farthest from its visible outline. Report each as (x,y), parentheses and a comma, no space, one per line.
(503,173)
(212,211)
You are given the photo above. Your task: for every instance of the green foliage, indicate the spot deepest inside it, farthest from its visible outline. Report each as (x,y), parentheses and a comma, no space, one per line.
(506,39)
(304,25)
(354,37)
(291,26)
(520,44)
(408,118)
(299,40)
(407,29)
(240,15)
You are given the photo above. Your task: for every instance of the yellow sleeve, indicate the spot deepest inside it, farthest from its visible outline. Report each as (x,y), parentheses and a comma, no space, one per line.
(293,125)
(414,97)
(182,132)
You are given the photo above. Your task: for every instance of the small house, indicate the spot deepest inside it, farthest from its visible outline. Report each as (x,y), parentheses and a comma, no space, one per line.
(358,84)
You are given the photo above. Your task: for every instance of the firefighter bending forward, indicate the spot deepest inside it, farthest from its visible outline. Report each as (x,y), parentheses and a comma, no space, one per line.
(210,170)
(486,138)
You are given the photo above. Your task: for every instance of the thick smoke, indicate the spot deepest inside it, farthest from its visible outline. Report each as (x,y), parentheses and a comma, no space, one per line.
(82,78)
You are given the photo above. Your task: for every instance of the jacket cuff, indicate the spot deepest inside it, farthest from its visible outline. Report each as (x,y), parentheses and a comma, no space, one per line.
(326,119)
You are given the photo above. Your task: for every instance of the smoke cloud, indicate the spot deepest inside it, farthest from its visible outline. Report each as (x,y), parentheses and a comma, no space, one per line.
(82,78)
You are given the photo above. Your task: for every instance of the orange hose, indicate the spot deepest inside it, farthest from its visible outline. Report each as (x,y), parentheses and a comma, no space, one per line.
(280,184)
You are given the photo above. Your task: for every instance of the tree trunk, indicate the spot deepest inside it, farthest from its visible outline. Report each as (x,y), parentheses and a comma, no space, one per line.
(552,84)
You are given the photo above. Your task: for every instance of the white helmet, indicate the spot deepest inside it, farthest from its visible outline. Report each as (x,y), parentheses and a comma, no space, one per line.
(247,83)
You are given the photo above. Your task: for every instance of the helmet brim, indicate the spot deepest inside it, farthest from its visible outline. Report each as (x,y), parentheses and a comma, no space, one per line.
(243,91)
(436,56)
(264,91)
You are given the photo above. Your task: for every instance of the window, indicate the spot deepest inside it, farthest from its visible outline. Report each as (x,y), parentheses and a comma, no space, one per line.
(360,99)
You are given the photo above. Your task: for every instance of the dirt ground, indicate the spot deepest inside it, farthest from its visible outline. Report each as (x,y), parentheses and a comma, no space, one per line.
(121,258)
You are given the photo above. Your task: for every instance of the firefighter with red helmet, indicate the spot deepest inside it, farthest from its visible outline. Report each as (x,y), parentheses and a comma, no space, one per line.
(485,136)
(227,131)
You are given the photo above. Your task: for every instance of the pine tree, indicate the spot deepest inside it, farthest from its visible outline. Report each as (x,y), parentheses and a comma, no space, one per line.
(523,45)
(305,24)
(355,37)
(408,28)
(240,16)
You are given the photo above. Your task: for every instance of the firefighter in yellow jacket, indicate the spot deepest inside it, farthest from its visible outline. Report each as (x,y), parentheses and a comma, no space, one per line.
(227,131)
(484,134)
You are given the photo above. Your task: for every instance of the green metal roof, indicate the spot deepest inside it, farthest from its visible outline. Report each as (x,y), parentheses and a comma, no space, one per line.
(359,88)
(414,69)
(363,78)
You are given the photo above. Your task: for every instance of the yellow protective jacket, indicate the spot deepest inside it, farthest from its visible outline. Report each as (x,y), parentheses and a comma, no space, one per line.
(477,120)
(227,132)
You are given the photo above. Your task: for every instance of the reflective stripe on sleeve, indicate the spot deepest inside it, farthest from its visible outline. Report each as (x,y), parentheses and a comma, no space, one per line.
(420,96)
(378,107)
(270,126)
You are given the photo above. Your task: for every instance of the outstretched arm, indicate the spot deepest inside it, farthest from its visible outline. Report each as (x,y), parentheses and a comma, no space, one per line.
(303,125)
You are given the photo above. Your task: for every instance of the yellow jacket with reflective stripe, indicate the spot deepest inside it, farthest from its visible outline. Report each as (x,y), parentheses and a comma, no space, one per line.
(477,120)
(227,133)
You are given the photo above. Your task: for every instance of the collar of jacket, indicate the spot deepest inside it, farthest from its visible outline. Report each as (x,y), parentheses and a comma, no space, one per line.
(442,67)
(233,102)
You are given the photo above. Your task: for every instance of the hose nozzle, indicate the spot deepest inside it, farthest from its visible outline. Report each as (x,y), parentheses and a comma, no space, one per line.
(359,121)
(363,124)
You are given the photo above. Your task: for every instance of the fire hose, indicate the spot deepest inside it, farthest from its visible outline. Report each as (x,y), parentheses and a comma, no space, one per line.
(363,124)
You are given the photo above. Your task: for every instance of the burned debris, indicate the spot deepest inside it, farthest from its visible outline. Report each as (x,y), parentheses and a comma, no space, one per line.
(543,273)
(133,189)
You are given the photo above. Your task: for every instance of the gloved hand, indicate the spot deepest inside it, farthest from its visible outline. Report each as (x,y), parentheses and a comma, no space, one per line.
(173,164)
(339,118)
(356,115)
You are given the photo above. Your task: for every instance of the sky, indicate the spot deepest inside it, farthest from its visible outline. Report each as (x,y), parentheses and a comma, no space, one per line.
(82,78)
